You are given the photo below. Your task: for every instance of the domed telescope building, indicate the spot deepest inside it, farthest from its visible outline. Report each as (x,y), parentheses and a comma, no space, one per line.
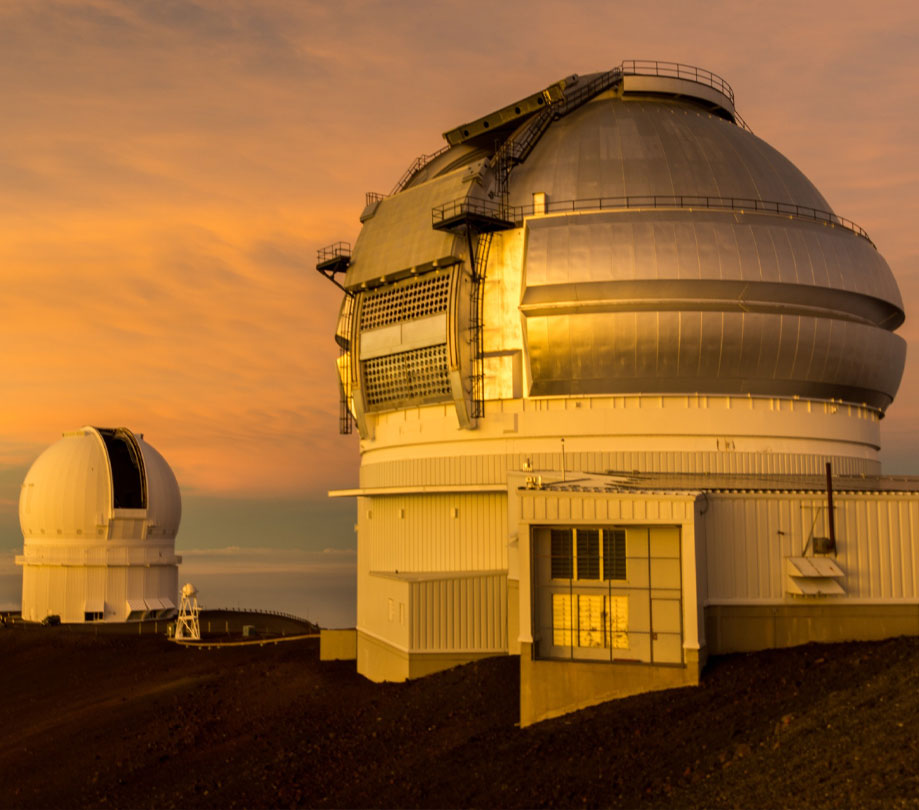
(99,511)
(618,371)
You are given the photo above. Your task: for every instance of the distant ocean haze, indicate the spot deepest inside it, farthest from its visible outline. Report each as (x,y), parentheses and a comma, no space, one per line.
(295,555)
(315,585)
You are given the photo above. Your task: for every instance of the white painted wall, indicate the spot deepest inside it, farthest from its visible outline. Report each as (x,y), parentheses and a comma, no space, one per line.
(748,535)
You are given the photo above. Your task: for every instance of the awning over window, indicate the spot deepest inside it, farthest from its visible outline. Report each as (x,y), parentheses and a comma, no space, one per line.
(94,606)
(153,603)
(135,605)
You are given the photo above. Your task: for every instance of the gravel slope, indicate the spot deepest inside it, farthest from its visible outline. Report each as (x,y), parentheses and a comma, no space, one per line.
(135,721)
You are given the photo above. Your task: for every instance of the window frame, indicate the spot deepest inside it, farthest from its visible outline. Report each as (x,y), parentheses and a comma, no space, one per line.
(619,562)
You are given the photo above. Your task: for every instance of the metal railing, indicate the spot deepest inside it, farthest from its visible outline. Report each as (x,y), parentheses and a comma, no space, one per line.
(414,167)
(676,70)
(515,150)
(337,250)
(584,92)
(279,613)
(463,207)
(517,213)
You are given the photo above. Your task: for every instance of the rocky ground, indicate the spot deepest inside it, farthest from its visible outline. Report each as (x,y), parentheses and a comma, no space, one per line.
(136,721)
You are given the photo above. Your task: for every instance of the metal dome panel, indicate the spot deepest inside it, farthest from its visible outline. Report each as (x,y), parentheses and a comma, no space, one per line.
(164,507)
(398,238)
(714,352)
(614,147)
(693,244)
(67,490)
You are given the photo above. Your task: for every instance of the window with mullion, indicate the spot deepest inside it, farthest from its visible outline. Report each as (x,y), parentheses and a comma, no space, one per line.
(588,560)
(614,554)
(562,564)
(587,554)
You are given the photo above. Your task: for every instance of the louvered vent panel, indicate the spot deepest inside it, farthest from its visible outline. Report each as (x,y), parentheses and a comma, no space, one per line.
(405,302)
(419,375)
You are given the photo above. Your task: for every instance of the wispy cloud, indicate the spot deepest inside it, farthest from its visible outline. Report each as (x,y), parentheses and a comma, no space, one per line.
(167,170)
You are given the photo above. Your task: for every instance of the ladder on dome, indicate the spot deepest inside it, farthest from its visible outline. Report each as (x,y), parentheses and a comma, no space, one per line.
(480,219)
(477,325)
(477,220)
(331,261)
(517,148)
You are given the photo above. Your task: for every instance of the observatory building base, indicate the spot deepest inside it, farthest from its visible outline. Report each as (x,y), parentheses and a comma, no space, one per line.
(747,628)
(338,645)
(379,661)
(552,688)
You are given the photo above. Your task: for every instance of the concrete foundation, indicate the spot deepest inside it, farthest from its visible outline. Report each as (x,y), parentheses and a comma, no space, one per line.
(379,661)
(550,688)
(746,628)
(513,616)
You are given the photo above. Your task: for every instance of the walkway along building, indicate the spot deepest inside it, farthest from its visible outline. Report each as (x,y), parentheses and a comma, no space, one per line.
(600,350)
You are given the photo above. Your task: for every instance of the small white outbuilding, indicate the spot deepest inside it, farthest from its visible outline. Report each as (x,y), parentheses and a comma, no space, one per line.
(99,511)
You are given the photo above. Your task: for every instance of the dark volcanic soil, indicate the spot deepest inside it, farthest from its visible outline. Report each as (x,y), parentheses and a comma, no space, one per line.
(136,721)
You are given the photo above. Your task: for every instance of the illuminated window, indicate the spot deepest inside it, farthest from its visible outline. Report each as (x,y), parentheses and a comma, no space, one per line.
(583,565)
(590,620)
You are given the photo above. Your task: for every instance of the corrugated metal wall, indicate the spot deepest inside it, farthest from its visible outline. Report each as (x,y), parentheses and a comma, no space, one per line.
(466,613)
(748,535)
(461,532)
(493,469)
(538,506)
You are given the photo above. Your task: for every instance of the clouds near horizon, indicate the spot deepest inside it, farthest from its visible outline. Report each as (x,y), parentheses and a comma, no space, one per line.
(168,169)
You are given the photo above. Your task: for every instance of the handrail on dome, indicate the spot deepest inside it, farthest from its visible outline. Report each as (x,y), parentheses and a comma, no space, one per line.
(676,70)
(442,215)
(416,166)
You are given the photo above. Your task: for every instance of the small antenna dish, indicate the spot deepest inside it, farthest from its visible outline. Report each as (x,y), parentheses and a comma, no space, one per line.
(187,625)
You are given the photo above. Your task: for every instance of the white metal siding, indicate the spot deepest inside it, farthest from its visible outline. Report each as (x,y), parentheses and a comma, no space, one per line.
(493,469)
(748,535)
(538,506)
(462,532)
(467,613)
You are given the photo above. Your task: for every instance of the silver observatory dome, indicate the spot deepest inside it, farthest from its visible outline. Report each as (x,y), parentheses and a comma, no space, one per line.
(614,235)
(763,298)
(668,249)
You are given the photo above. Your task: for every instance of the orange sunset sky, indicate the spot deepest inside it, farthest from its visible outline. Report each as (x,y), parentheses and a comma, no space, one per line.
(168,169)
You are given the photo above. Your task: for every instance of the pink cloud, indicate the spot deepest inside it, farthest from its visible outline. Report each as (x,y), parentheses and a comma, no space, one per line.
(167,171)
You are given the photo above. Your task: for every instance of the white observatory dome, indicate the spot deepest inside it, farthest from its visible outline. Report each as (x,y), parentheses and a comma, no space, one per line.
(100,508)
(75,486)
